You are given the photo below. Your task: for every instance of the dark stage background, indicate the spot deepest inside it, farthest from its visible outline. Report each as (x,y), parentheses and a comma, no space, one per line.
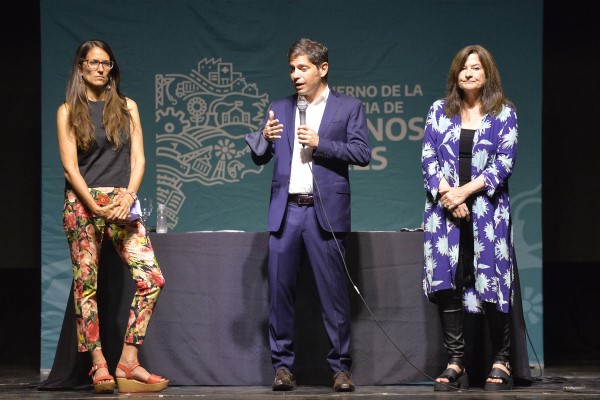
(569,143)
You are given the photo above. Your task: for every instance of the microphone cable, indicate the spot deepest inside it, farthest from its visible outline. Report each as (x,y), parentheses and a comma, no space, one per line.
(303,107)
(359,293)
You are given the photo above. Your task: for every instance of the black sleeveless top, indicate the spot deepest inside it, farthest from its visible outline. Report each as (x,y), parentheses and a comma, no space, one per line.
(102,165)
(465,155)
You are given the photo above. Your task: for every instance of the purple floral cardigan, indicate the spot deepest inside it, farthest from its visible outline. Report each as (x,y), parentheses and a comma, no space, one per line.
(494,153)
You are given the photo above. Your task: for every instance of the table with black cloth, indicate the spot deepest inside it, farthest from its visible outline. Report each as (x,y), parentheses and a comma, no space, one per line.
(210,326)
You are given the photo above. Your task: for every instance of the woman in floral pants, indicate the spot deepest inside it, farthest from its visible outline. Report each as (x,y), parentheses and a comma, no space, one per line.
(101,148)
(85,233)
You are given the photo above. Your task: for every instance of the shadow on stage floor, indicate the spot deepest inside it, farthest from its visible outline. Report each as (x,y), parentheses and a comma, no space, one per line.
(565,382)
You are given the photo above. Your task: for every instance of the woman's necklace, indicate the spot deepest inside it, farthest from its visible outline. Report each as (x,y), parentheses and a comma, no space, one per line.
(471,117)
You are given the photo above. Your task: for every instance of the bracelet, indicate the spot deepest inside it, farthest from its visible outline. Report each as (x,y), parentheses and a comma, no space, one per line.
(132,194)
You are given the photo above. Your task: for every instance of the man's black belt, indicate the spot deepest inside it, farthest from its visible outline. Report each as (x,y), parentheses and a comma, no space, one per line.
(301,199)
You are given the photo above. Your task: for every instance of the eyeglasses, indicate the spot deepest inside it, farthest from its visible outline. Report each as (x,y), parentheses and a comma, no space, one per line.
(94,64)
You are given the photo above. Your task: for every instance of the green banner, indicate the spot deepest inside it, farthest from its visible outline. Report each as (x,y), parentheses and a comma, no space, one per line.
(204,74)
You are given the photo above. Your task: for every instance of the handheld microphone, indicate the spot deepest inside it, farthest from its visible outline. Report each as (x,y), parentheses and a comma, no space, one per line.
(302,105)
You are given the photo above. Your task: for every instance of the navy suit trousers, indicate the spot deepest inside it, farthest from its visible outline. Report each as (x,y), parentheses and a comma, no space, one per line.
(300,236)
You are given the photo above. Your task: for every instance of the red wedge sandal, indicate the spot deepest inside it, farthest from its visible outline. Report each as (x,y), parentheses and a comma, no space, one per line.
(129,384)
(104,384)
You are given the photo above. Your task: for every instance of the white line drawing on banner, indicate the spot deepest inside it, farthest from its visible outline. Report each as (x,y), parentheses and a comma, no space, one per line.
(528,253)
(201,120)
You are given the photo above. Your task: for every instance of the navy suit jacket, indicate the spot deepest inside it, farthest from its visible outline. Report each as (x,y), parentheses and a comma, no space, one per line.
(343,140)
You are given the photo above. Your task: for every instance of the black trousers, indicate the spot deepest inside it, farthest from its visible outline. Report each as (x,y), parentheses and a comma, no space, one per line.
(451,310)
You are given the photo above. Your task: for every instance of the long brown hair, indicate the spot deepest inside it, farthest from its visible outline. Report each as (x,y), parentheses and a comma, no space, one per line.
(116,118)
(492,95)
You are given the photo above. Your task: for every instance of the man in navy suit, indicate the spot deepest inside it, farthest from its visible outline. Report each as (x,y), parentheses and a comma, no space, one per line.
(309,212)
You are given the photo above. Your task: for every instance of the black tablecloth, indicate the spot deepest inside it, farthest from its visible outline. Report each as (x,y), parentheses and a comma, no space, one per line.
(210,324)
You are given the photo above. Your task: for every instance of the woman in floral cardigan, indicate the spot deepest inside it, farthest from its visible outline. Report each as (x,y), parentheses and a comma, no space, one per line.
(468,155)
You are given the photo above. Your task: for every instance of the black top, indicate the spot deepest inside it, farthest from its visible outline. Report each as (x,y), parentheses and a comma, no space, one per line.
(102,165)
(465,155)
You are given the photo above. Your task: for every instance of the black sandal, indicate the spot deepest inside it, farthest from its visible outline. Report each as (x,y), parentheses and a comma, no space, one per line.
(456,380)
(497,373)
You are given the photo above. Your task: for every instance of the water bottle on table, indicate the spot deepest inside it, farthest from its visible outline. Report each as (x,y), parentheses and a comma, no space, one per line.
(161,219)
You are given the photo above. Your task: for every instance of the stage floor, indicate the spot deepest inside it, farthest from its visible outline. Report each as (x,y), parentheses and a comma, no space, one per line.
(565,382)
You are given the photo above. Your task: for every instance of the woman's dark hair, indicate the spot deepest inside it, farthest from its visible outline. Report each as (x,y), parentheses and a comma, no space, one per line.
(492,95)
(116,117)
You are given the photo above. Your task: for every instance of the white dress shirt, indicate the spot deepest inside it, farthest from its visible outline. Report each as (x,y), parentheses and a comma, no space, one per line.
(301,180)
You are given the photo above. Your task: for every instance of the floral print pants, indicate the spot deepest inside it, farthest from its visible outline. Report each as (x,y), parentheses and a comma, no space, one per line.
(85,233)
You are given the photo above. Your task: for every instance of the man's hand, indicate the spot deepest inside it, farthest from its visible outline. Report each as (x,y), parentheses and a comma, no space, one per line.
(273,128)
(308,137)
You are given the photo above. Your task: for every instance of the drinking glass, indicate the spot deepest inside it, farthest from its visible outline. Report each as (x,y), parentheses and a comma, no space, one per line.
(146,205)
